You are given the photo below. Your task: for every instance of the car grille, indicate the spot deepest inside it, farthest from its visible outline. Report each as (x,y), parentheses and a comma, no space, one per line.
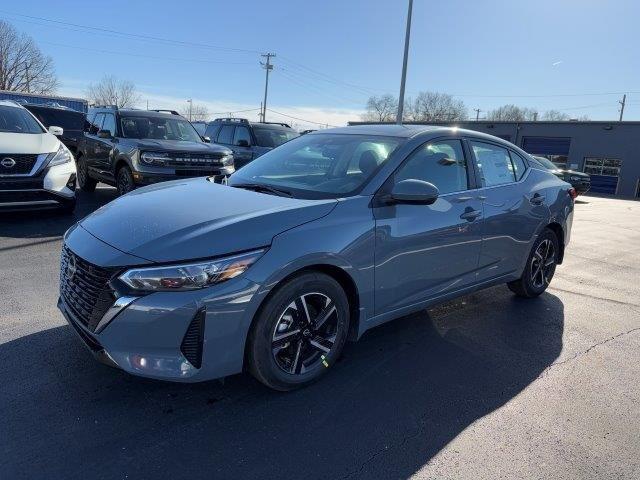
(85,289)
(191,346)
(23,163)
(182,160)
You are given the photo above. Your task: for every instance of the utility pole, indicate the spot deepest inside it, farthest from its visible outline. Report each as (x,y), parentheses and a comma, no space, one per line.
(190,102)
(268,67)
(404,65)
(477,110)
(26,74)
(624,100)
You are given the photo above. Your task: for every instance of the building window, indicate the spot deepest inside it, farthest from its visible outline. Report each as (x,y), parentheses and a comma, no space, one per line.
(602,166)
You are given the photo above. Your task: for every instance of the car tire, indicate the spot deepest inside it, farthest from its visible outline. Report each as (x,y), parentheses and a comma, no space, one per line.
(299,333)
(85,182)
(540,267)
(124,181)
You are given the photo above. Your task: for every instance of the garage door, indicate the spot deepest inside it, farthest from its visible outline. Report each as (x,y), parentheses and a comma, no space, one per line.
(555,149)
(604,172)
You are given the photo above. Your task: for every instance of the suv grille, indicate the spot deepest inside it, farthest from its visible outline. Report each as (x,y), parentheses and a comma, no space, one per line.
(197,160)
(23,163)
(85,288)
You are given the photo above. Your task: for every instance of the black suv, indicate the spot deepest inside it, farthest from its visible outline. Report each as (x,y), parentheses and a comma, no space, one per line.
(248,140)
(71,121)
(129,147)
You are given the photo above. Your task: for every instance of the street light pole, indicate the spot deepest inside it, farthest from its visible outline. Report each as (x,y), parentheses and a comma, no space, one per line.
(190,101)
(404,65)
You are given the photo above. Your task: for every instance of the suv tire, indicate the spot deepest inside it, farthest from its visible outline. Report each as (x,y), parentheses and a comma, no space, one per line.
(85,182)
(124,180)
(299,332)
(541,265)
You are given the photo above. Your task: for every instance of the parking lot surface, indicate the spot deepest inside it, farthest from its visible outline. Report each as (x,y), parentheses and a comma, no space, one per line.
(488,386)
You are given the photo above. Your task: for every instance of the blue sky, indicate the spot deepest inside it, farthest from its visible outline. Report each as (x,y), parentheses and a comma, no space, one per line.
(331,55)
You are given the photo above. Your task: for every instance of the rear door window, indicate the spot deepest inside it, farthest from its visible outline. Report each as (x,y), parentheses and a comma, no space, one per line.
(519,165)
(242,133)
(494,164)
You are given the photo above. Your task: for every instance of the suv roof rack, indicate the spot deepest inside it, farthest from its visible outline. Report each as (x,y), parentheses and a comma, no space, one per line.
(231,119)
(277,123)
(163,110)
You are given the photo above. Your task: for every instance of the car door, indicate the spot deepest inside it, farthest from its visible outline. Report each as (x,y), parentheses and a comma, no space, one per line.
(105,145)
(242,146)
(426,251)
(513,206)
(91,139)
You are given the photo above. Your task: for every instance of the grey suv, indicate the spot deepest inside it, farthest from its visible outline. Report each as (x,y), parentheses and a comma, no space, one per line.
(248,140)
(319,240)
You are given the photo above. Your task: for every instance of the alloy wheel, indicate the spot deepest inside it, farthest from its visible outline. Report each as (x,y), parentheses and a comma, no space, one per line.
(542,264)
(124,183)
(305,333)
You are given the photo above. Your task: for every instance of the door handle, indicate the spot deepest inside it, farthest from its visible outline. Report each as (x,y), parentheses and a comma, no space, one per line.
(471,215)
(537,199)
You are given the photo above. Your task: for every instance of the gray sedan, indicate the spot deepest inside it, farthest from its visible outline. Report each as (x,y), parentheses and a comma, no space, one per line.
(310,245)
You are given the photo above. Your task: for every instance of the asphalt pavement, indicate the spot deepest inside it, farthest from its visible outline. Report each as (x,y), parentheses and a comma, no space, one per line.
(488,386)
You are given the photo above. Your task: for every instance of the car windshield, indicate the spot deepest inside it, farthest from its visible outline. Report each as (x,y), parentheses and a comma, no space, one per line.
(319,165)
(546,163)
(18,120)
(67,119)
(159,128)
(273,136)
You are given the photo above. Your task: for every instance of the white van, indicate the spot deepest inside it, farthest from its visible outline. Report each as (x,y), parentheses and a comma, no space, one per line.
(36,169)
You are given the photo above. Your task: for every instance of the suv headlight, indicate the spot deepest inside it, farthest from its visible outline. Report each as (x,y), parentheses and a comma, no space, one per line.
(63,155)
(154,158)
(227,160)
(575,178)
(189,276)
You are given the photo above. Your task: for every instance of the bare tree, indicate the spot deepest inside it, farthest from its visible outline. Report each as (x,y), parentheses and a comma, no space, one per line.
(112,91)
(435,107)
(381,109)
(198,113)
(555,116)
(23,67)
(512,113)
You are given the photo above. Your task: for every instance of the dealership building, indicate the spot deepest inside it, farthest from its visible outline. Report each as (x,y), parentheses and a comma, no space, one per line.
(608,151)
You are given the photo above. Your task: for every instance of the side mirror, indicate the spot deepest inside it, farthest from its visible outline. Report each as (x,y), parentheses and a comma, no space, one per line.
(56,130)
(206,139)
(413,192)
(242,143)
(104,133)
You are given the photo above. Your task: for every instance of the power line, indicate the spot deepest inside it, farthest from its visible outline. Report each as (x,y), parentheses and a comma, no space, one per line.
(301,119)
(314,88)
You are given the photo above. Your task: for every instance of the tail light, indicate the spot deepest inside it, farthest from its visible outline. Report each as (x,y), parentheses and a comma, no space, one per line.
(573,193)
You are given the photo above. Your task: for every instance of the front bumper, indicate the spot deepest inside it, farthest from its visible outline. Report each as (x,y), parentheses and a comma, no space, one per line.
(54,187)
(142,178)
(147,336)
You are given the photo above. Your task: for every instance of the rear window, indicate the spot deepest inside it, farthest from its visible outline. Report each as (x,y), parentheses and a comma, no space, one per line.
(67,119)
(268,136)
(18,120)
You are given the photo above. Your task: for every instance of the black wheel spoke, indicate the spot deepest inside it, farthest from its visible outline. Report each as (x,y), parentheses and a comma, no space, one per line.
(324,315)
(282,339)
(324,345)
(302,309)
(296,365)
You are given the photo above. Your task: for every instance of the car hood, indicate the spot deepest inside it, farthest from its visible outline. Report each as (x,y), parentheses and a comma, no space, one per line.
(33,143)
(178,146)
(196,218)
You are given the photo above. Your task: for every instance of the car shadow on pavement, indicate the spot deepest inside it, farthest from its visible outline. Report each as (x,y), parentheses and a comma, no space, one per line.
(51,223)
(397,397)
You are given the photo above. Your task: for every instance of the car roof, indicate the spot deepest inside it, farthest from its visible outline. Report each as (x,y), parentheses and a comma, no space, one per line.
(409,131)
(10,103)
(135,112)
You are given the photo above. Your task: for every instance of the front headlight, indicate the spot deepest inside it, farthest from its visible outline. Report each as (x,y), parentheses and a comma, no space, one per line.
(227,160)
(189,276)
(63,155)
(154,158)
(575,179)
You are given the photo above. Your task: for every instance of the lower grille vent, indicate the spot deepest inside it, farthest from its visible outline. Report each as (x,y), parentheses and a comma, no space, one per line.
(191,346)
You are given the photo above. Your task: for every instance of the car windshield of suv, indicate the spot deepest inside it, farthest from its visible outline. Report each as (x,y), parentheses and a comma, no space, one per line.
(273,136)
(159,128)
(546,163)
(67,119)
(318,165)
(18,120)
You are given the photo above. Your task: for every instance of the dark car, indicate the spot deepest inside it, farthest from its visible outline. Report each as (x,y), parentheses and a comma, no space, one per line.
(129,147)
(579,180)
(319,240)
(248,140)
(71,122)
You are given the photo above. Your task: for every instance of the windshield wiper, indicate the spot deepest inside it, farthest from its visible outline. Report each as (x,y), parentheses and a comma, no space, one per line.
(262,188)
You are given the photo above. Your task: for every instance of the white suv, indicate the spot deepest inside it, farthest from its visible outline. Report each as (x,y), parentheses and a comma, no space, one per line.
(36,169)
